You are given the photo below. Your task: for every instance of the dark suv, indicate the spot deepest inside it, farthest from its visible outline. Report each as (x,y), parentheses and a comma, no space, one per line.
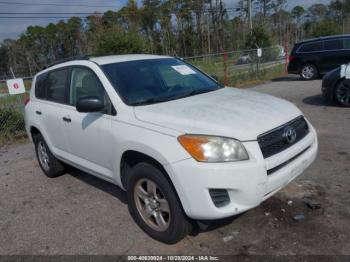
(315,57)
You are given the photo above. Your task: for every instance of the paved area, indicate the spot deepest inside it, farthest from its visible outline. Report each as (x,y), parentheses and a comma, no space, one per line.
(80,214)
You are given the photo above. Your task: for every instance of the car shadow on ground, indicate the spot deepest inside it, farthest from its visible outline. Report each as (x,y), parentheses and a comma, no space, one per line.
(100,184)
(287,78)
(211,225)
(317,100)
(117,192)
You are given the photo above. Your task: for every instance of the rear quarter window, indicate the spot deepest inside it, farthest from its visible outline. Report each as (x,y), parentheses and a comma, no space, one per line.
(311,47)
(40,87)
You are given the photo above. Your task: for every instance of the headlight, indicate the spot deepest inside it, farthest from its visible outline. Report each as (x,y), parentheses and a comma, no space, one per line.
(213,149)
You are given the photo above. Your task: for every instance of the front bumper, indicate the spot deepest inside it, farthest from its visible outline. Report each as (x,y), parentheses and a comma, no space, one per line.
(246,182)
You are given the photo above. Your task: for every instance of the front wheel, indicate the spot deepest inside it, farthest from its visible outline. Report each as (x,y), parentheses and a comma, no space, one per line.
(309,72)
(342,93)
(154,205)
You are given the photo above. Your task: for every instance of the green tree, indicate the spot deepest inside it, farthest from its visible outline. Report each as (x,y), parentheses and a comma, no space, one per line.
(325,28)
(167,33)
(259,38)
(150,17)
(75,39)
(184,28)
(298,12)
(110,18)
(264,6)
(116,41)
(318,12)
(4,63)
(130,16)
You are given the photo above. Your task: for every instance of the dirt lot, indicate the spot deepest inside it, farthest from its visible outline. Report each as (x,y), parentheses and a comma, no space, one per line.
(80,214)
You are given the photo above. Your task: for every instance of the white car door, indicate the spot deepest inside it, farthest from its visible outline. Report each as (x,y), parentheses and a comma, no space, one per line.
(52,91)
(90,134)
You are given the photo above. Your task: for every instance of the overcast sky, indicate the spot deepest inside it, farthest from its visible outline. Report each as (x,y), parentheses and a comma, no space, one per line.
(12,28)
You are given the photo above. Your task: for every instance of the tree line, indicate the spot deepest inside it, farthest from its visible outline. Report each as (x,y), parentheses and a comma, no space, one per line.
(173,27)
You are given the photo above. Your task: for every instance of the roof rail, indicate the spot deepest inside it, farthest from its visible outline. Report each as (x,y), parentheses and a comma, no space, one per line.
(73,58)
(324,38)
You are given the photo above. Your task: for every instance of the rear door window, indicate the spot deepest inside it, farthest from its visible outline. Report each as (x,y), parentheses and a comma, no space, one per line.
(57,86)
(333,45)
(311,47)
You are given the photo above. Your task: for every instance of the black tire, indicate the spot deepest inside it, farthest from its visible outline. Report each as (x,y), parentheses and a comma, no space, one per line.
(309,72)
(178,224)
(54,168)
(342,93)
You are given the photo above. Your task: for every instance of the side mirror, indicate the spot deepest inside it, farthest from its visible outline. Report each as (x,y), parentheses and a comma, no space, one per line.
(90,104)
(215,77)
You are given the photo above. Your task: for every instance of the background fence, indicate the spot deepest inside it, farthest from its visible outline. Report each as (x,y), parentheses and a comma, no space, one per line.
(237,67)
(231,68)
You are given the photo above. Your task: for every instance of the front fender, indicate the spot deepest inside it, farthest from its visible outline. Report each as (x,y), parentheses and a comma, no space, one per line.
(165,149)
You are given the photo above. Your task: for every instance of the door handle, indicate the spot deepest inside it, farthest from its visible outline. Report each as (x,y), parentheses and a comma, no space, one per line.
(66,119)
(38,112)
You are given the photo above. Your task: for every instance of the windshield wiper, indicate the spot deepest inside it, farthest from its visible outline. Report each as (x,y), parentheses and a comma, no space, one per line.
(196,92)
(155,100)
(152,100)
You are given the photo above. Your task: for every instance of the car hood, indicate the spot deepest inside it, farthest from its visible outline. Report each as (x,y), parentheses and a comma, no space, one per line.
(229,112)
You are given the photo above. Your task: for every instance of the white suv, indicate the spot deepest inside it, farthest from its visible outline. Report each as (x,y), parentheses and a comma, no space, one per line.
(183,147)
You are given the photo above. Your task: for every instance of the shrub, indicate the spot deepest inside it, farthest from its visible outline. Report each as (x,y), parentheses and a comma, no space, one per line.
(11,125)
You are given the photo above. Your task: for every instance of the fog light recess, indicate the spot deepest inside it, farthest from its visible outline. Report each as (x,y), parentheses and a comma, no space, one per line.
(220,197)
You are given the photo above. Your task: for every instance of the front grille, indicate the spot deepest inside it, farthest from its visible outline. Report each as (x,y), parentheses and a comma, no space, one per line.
(220,197)
(277,140)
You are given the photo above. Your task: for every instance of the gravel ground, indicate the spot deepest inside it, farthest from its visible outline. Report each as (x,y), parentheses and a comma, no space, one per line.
(80,214)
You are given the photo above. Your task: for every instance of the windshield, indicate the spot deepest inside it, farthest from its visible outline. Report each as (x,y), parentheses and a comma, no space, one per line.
(157,80)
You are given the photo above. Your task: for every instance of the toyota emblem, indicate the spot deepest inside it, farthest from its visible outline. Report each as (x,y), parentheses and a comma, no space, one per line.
(290,135)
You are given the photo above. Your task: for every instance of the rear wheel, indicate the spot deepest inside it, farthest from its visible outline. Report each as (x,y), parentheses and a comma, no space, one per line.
(342,93)
(309,72)
(154,205)
(50,165)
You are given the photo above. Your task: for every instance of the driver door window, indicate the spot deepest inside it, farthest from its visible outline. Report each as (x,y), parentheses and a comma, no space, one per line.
(84,83)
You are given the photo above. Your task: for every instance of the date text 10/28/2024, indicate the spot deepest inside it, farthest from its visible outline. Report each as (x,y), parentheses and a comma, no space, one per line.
(173,258)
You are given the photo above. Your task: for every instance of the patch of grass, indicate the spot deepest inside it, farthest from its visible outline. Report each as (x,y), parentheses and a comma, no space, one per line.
(12,128)
(3,88)
(249,78)
(12,125)
(240,76)
(12,101)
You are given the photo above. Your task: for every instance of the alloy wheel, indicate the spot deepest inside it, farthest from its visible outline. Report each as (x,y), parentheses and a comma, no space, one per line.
(43,156)
(152,205)
(308,72)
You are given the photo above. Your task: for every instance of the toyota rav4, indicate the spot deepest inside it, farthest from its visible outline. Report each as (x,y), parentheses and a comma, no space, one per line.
(182,146)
